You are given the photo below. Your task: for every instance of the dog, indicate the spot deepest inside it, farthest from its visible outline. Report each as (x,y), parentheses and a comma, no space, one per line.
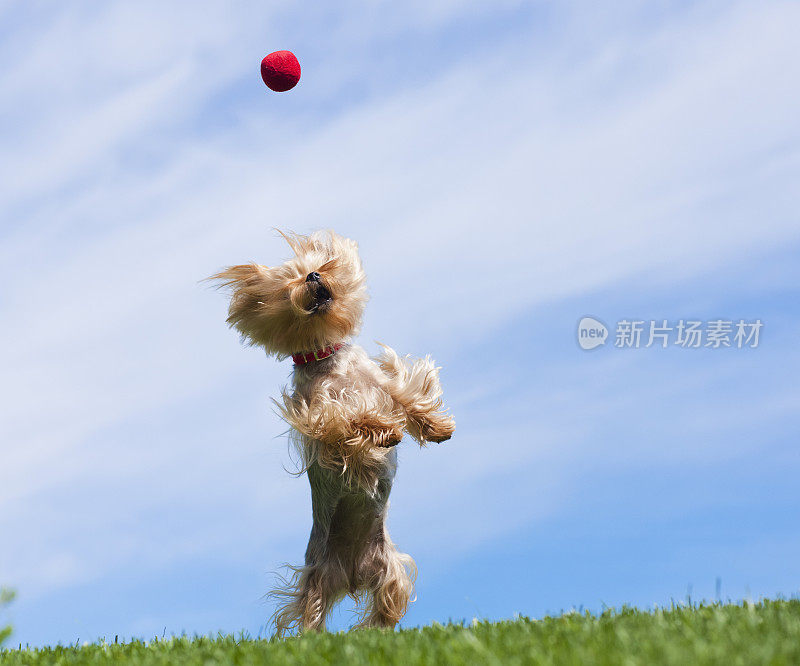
(347,412)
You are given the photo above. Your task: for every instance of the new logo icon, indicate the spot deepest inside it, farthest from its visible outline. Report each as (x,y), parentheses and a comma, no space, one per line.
(591,333)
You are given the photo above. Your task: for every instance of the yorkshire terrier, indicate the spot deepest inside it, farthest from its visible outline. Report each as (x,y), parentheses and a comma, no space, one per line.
(347,412)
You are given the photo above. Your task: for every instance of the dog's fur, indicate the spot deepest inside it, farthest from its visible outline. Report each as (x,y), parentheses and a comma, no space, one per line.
(347,412)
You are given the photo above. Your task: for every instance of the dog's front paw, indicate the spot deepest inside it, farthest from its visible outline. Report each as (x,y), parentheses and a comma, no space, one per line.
(438,430)
(380,434)
(389,442)
(389,438)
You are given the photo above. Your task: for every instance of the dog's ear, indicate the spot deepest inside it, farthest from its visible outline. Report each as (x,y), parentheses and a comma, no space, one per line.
(239,277)
(247,286)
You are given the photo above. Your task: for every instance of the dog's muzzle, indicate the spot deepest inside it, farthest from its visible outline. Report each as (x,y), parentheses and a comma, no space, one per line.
(321,296)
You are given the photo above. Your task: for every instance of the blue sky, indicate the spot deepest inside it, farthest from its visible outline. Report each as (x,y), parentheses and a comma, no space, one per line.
(507,168)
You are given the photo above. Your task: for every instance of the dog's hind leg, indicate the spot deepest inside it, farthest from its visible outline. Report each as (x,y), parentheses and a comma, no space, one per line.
(388,576)
(303,604)
(315,587)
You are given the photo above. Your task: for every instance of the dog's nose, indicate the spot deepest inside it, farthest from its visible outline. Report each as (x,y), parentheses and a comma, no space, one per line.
(313,277)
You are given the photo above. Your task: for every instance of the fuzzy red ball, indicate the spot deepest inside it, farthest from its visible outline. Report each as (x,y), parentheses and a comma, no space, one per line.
(280,71)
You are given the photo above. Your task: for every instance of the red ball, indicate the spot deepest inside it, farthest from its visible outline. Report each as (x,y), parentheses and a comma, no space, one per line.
(280,71)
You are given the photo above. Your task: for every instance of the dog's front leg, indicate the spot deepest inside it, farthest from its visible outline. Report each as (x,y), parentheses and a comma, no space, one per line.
(353,419)
(415,386)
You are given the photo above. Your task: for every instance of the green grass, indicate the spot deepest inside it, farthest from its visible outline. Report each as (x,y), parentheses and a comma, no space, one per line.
(6,597)
(767,632)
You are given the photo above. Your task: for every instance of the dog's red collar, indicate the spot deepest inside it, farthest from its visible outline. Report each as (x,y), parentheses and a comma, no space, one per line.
(306,357)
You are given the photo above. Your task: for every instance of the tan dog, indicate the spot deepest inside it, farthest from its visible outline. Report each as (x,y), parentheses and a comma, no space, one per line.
(347,412)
